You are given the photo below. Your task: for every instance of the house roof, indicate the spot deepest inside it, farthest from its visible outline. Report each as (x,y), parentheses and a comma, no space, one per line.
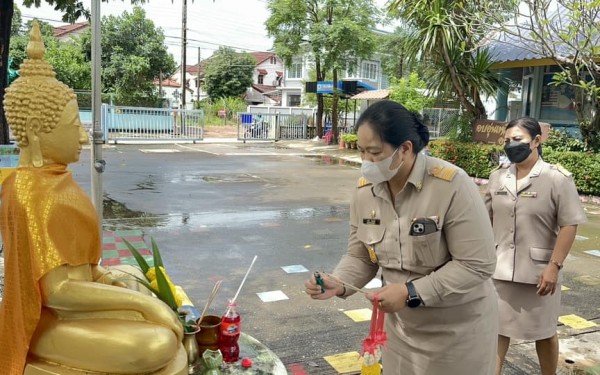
(263,88)
(510,50)
(261,56)
(372,95)
(193,69)
(62,31)
(168,83)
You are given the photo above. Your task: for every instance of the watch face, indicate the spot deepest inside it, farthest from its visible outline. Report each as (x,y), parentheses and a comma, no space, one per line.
(413,302)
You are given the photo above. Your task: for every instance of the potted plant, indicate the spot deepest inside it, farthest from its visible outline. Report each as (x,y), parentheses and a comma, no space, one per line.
(347,139)
(352,139)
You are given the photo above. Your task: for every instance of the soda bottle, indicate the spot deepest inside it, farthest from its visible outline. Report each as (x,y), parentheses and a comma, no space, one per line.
(230,333)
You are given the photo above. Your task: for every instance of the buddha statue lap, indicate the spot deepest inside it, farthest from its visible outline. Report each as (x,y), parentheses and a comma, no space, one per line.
(62,312)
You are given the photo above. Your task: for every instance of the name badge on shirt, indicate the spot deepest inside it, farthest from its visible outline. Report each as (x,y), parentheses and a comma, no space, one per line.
(371,221)
(372,254)
(529,194)
(501,192)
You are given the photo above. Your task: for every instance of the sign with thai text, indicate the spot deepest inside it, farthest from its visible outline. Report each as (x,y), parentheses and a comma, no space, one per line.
(492,131)
(489,131)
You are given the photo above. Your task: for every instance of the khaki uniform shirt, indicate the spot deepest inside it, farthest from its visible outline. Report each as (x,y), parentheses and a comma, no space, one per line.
(526,219)
(448,265)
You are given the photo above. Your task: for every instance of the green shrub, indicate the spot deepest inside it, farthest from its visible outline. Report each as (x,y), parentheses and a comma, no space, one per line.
(231,105)
(410,92)
(479,160)
(585,167)
(560,141)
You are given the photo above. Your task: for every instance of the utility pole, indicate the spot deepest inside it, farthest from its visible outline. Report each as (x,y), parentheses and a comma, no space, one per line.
(183,50)
(97,164)
(198,78)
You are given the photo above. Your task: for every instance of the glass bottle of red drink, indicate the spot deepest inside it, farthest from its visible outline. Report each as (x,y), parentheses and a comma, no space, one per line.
(230,333)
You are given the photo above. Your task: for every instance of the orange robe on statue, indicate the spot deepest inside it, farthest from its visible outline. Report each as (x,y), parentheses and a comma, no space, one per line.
(47,220)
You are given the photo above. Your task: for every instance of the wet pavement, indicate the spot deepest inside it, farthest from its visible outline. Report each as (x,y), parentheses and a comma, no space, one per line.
(212,206)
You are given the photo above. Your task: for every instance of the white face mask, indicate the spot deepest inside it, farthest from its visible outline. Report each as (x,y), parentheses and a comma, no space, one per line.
(379,171)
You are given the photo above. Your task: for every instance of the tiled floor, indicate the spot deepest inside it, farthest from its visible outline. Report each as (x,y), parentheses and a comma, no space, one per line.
(115,251)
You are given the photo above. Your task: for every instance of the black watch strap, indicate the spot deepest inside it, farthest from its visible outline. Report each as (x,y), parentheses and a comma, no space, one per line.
(413,299)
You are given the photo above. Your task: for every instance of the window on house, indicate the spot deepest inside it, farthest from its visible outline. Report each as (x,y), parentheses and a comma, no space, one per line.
(261,79)
(273,60)
(295,70)
(369,71)
(293,100)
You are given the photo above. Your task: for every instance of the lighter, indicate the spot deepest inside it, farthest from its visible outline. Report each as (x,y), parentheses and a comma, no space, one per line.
(320,281)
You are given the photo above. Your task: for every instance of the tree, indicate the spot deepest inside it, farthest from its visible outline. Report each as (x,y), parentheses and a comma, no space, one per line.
(568,32)
(449,35)
(73,9)
(133,55)
(410,92)
(395,61)
(228,73)
(336,33)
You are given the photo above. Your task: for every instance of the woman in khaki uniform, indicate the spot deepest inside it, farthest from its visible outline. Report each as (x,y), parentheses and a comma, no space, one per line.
(535,210)
(422,222)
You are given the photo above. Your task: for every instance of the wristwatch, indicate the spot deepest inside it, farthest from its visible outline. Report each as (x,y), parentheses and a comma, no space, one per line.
(413,299)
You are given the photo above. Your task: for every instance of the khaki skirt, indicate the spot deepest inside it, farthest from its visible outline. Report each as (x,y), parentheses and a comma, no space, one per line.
(525,315)
(456,340)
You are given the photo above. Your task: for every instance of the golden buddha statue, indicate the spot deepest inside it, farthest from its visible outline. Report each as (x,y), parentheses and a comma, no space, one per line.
(62,313)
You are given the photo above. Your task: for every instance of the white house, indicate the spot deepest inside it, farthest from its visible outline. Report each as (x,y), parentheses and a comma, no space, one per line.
(170,91)
(266,79)
(367,74)
(194,77)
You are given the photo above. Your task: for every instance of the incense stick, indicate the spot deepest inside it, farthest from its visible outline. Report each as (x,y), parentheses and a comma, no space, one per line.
(343,283)
(242,284)
(210,299)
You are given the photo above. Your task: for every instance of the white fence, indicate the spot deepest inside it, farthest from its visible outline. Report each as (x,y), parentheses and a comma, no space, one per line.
(164,124)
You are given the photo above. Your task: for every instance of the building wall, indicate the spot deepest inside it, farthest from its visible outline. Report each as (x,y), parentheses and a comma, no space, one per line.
(368,71)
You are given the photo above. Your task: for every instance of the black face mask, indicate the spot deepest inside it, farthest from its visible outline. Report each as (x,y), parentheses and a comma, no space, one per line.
(517,151)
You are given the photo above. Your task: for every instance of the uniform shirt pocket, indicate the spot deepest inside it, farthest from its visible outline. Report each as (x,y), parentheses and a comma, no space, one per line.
(372,237)
(539,254)
(427,251)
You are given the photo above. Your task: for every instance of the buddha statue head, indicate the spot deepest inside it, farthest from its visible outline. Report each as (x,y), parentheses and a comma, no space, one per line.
(42,112)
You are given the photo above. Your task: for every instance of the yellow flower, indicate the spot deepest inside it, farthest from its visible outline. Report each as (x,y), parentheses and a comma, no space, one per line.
(151,274)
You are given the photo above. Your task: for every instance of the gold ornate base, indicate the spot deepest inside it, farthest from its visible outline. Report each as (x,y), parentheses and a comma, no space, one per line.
(179,366)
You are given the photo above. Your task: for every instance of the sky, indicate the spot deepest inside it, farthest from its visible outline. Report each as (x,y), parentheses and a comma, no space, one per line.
(234,23)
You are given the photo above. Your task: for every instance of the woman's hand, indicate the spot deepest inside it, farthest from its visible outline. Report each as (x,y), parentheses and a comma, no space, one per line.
(392,297)
(548,279)
(331,288)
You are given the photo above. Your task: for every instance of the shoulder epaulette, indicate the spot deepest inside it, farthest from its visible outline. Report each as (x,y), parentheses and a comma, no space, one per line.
(362,182)
(445,173)
(562,170)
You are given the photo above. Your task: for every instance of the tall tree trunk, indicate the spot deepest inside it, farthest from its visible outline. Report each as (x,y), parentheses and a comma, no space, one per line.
(334,108)
(320,104)
(590,128)
(460,92)
(479,104)
(6,13)
(578,93)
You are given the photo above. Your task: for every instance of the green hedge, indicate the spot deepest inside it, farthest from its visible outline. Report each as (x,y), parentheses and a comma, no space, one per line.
(479,160)
(585,167)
